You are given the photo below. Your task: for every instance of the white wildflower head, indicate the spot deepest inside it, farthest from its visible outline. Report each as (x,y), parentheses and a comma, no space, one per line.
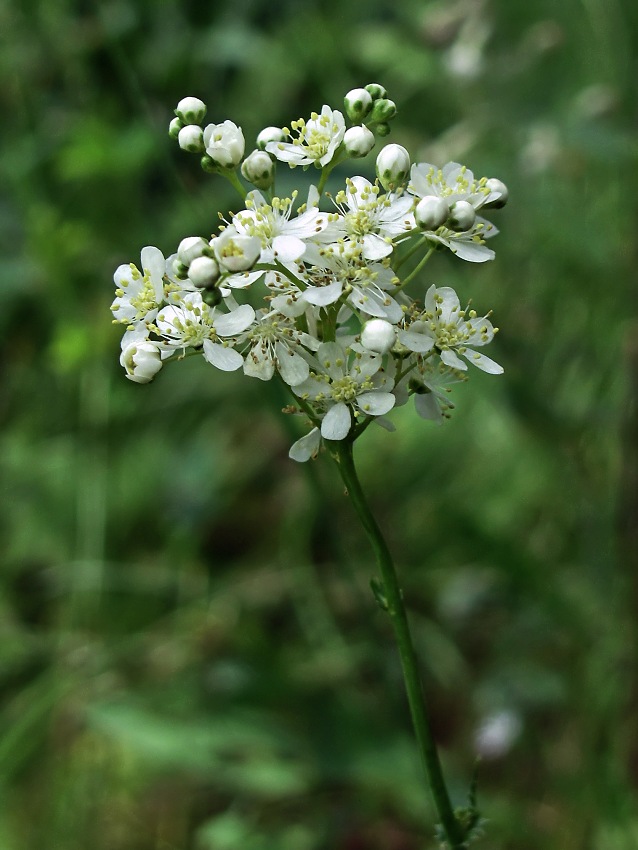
(316,142)
(316,294)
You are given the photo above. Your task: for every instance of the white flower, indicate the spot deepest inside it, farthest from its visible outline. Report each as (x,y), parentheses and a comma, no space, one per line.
(191,247)
(357,103)
(452,330)
(224,143)
(275,343)
(142,361)
(280,236)
(203,271)
(316,143)
(236,252)
(344,384)
(454,184)
(370,220)
(193,324)
(366,284)
(139,294)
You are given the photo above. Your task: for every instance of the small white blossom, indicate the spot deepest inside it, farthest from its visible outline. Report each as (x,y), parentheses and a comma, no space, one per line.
(191,110)
(357,104)
(393,165)
(317,140)
(358,141)
(190,248)
(224,143)
(270,134)
(378,335)
(345,383)
(236,252)
(203,271)
(275,343)
(191,139)
(259,169)
(139,294)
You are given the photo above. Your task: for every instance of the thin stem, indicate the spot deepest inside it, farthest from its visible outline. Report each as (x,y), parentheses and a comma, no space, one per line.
(231,175)
(414,271)
(393,601)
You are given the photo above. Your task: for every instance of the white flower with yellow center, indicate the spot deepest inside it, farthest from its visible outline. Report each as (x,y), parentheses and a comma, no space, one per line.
(139,294)
(369,221)
(193,324)
(317,140)
(282,237)
(463,233)
(275,343)
(342,269)
(453,331)
(344,385)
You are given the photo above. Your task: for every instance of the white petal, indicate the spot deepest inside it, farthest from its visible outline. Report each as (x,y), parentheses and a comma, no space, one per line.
(470,251)
(450,358)
(321,296)
(227,324)
(483,362)
(258,364)
(332,359)
(292,367)
(375,247)
(306,447)
(427,406)
(415,341)
(288,249)
(224,358)
(153,260)
(376,404)
(337,422)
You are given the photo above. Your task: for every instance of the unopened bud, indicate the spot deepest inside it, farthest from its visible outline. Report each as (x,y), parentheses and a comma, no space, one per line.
(382,111)
(376,90)
(224,144)
(142,361)
(497,188)
(270,134)
(357,103)
(431,212)
(378,335)
(191,110)
(190,248)
(358,141)
(174,127)
(191,138)
(259,169)
(235,251)
(203,272)
(462,216)
(393,165)
(382,129)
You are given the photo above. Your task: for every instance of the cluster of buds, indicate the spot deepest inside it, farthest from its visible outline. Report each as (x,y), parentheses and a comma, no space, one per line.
(315,293)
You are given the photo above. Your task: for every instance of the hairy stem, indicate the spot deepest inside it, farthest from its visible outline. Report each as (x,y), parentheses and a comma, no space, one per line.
(393,602)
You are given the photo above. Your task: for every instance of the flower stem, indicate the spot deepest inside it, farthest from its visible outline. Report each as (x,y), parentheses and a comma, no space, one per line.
(393,602)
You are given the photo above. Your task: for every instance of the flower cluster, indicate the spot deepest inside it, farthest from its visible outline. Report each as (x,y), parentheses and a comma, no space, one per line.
(313,292)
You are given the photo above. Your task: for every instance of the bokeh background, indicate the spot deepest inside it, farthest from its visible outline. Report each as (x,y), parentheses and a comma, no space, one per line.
(190,656)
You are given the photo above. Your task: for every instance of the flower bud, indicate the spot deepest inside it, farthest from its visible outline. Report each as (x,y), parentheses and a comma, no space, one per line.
(382,111)
(376,90)
(378,335)
(224,144)
(190,138)
(462,216)
(393,165)
(270,134)
(190,248)
(496,187)
(142,361)
(431,212)
(357,103)
(191,110)
(174,127)
(259,169)
(382,129)
(203,272)
(358,141)
(235,251)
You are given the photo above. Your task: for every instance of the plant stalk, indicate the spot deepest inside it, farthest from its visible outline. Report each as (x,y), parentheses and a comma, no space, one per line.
(342,452)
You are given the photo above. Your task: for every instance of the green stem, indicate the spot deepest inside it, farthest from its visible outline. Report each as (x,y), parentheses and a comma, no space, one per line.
(455,834)
(414,271)
(231,175)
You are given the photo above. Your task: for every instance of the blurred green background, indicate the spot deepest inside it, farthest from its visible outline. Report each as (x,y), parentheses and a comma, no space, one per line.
(190,656)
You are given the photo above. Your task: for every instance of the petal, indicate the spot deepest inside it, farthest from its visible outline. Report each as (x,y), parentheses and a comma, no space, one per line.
(292,367)
(415,341)
(227,324)
(473,252)
(337,422)
(332,359)
(306,447)
(321,296)
(375,404)
(450,358)
(153,260)
(483,362)
(288,249)
(427,406)
(258,364)
(224,358)
(375,247)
